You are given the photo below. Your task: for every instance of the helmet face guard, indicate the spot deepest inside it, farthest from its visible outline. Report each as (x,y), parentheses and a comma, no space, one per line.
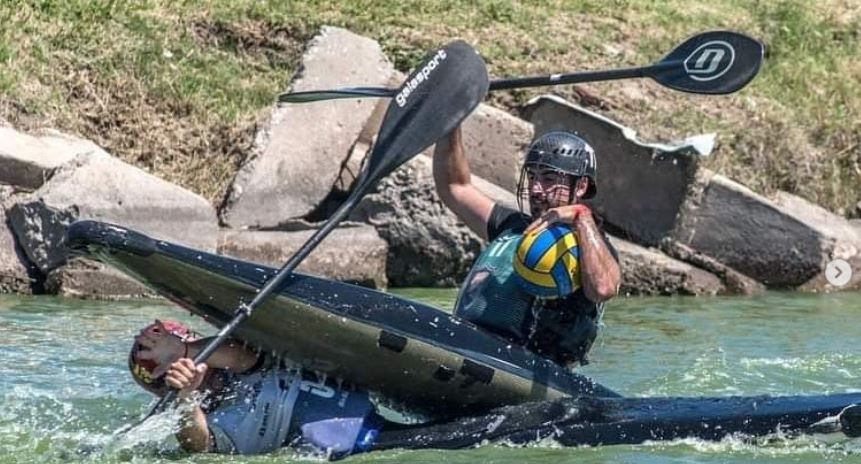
(563,152)
(524,188)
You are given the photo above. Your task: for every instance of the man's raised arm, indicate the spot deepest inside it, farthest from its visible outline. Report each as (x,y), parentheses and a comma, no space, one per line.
(454,185)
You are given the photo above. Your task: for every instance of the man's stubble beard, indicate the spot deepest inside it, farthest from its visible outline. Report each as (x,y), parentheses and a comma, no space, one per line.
(538,207)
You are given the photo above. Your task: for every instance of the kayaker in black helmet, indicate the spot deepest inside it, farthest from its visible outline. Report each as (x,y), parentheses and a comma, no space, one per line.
(559,172)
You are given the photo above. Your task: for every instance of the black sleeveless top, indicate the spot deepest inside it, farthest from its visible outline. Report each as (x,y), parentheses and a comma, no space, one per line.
(562,330)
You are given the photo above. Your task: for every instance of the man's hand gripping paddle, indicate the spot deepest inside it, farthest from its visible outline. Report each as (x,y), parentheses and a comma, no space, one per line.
(716,62)
(435,98)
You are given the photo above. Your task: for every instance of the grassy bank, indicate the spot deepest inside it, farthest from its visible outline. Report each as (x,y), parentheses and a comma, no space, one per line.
(176,87)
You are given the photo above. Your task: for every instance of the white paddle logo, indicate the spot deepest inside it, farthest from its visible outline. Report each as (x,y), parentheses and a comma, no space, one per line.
(420,77)
(710,61)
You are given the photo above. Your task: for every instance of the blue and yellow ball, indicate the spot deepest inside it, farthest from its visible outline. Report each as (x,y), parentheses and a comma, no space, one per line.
(547,262)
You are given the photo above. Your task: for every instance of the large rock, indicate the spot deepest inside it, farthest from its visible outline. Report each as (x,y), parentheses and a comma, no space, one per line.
(495,143)
(783,244)
(17,274)
(26,160)
(354,254)
(735,281)
(839,239)
(646,271)
(298,155)
(641,186)
(100,187)
(83,278)
(428,245)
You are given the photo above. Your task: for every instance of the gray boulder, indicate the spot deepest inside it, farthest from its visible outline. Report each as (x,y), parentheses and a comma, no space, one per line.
(641,186)
(784,243)
(83,278)
(839,238)
(297,156)
(495,143)
(647,271)
(17,274)
(735,281)
(40,231)
(354,254)
(428,245)
(100,187)
(26,160)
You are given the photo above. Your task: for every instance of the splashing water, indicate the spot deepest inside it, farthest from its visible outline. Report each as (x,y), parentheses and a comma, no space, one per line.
(65,389)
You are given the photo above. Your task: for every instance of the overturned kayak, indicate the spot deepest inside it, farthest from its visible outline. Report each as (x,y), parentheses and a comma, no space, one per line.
(615,421)
(435,363)
(411,353)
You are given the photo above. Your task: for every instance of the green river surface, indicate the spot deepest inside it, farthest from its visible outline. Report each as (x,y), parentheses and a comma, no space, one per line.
(64,385)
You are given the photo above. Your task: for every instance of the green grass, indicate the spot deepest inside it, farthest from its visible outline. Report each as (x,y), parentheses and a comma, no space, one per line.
(176,87)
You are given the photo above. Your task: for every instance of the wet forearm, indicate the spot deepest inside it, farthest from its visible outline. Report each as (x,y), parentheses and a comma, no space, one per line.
(193,434)
(600,275)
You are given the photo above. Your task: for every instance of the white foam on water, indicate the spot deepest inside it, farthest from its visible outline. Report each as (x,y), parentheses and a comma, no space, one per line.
(770,446)
(37,421)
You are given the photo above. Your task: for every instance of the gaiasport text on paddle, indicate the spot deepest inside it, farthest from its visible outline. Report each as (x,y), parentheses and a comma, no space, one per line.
(714,63)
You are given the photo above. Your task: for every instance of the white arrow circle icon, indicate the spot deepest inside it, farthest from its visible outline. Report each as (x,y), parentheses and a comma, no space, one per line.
(838,272)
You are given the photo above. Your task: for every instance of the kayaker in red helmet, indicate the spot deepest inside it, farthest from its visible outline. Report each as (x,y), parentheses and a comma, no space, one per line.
(243,402)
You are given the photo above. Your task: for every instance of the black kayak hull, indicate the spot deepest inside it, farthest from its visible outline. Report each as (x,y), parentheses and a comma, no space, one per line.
(412,354)
(614,421)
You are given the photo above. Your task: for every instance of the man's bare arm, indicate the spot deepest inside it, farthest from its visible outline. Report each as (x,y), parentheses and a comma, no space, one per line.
(601,275)
(193,434)
(454,185)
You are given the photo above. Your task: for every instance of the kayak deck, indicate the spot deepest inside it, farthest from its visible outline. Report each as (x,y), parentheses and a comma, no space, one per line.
(412,354)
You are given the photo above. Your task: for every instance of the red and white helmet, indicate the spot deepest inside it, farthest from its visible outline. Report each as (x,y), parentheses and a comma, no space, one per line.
(143,369)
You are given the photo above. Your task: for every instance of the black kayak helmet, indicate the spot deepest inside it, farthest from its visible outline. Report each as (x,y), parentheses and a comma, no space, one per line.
(565,152)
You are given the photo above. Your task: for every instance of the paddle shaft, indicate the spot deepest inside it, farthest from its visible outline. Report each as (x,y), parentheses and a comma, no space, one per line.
(243,311)
(651,70)
(578,77)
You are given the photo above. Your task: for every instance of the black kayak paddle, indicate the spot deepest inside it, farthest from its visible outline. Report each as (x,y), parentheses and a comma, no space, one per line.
(715,62)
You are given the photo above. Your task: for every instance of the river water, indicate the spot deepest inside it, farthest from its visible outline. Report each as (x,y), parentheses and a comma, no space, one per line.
(64,386)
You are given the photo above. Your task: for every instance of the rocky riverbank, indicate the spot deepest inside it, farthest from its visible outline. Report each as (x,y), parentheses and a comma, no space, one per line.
(679,228)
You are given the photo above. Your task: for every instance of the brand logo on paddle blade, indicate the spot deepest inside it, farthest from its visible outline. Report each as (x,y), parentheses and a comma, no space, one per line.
(710,61)
(420,77)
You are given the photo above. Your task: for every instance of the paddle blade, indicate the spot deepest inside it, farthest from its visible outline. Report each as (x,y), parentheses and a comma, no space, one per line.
(716,62)
(439,94)
(335,94)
